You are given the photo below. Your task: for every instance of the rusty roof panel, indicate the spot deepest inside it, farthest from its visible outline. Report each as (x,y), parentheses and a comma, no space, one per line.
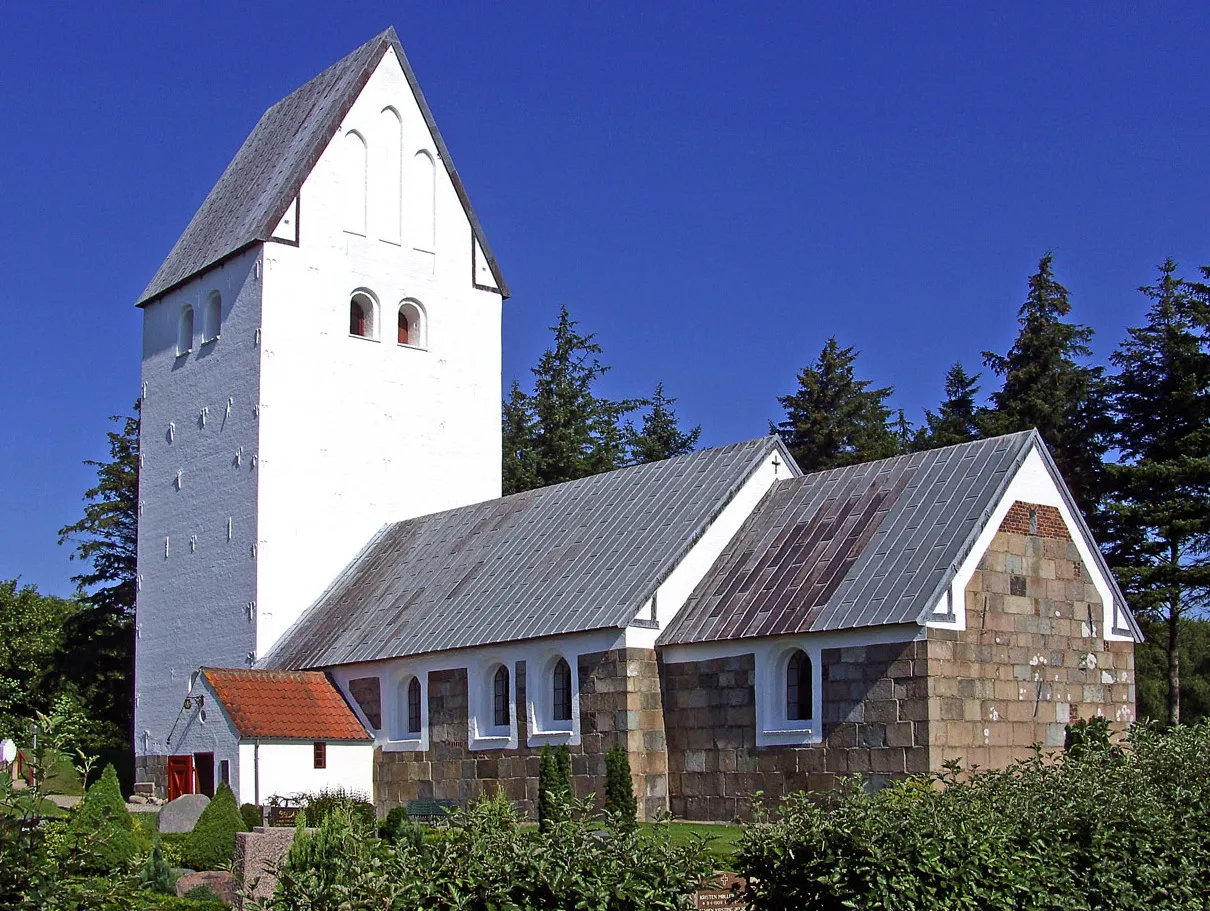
(862,545)
(576,556)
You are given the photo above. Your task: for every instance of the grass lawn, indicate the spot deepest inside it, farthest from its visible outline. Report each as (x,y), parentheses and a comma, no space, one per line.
(720,840)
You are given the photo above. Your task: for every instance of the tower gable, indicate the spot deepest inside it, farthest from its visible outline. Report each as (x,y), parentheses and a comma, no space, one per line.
(253,199)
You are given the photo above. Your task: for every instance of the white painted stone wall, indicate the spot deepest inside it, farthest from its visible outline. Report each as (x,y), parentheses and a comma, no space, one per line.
(285,769)
(311,439)
(205,728)
(197,573)
(358,432)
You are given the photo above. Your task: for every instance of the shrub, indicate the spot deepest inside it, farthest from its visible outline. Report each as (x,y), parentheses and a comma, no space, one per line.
(554,784)
(251,814)
(211,844)
(100,835)
(172,846)
(1098,827)
(395,819)
(320,805)
(619,788)
(156,873)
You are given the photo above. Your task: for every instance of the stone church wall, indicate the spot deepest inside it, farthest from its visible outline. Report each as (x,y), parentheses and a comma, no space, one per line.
(619,703)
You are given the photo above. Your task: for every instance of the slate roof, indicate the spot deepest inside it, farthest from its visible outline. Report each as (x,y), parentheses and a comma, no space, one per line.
(577,556)
(253,193)
(284,705)
(866,545)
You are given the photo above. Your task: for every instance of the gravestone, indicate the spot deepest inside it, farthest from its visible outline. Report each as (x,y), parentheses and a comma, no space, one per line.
(220,882)
(721,892)
(256,852)
(181,815)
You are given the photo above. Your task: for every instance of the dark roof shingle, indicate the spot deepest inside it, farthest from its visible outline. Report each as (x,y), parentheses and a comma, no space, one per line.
(284,705)
(265,175)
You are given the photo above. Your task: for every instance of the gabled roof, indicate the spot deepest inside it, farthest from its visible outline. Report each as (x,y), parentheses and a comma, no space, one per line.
(865,545)
(572,557)
(253,193)
(284,705)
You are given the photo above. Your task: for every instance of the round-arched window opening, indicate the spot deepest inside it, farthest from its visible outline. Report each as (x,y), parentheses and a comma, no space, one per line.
(411,325)
(212,316)
(561,683)
(500,713)
(361,315)
(184,332)
(799,699)
(414,706)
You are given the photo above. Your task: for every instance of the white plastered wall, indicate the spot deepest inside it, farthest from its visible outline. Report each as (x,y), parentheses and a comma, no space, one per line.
(679,584)
(287,768)
(358,432)
(1032,483)
(197,494)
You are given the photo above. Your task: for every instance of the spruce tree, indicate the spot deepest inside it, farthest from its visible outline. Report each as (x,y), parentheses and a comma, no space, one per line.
(1158,507)
(834,418)
(620,801)
(563,430)
(1046,386)
(661,436)
(957,419)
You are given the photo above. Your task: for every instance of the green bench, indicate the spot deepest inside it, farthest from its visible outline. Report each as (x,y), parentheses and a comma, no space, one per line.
(429,809)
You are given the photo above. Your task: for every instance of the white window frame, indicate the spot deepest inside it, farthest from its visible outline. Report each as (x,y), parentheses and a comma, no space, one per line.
(540,697)
(418,324)
(212,317)
(187,311)
(398,737)
(373,330)
(483,733)
(774,727)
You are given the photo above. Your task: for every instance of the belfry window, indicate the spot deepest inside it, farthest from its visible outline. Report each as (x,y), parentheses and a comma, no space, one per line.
(357,318)
(500,713)
(414,706)
(362,315)
(403,327)
(798,687)
(184,332)
(561,680)
(212,316)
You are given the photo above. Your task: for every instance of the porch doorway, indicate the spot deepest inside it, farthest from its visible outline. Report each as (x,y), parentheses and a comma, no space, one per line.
(180,775)
(203,770)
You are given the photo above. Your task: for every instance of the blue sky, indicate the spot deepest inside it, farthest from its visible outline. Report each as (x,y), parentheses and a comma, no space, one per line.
(713,189)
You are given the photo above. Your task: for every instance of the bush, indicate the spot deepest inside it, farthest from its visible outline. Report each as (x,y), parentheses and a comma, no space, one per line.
(1101,826)
(619,788)
(251,814)
(322,804)
(100,835)
(211,844)
(554,784)
(172,846)
(156,873)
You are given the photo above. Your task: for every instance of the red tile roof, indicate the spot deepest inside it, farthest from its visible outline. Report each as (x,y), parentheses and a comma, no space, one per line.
(292,705)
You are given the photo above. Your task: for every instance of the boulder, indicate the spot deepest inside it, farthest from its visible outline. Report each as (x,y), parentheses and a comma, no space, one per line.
(181,815)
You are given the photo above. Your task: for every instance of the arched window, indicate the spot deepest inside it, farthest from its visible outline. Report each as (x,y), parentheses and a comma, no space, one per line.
(422,200)
(798,687)
(404,327)
(411,324)
(355,183)
(212,317)
(414,706)
(561,679)
(184,331)
(500,716)
(361,315)
(388,194)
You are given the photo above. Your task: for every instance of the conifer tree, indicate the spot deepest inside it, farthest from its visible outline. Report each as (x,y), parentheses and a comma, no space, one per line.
(834,418)
(620,801)
(1158,506)
(563,430)
(661,436)
(1046,386)
(957,418)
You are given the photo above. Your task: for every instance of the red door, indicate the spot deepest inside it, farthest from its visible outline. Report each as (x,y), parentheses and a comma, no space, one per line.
(180,776)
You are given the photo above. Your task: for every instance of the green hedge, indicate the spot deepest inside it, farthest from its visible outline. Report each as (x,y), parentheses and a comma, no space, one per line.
(1100,827)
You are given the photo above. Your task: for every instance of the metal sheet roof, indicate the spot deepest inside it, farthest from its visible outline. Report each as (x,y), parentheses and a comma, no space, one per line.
(577,556)
(864,545)
(265,175)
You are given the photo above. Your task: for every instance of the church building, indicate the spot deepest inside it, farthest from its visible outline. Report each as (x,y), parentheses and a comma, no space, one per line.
(332,591)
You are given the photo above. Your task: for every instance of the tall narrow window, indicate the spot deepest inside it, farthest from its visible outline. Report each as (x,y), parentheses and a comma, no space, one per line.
(354,179)
(184,332)
(212,316)
(414,706)
(561,705)
(798,687)
(422,194)
(404,327)
(320,755)
(388,197)
(362,315)
(500,716)
(357,319)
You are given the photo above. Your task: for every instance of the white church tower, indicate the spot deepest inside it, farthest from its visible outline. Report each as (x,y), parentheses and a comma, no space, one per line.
(321,356)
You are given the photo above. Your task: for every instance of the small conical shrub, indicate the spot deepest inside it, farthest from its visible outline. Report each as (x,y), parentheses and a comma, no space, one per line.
(100,835)
(156,874)
(211,844)
(554,784)
(620,801)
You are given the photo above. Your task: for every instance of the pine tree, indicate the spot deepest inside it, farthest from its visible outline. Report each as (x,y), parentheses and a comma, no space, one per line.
(98,651)
(563,430)
(1046,386)
(1158,510)
(834,418)
(957,419)
(661,436)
